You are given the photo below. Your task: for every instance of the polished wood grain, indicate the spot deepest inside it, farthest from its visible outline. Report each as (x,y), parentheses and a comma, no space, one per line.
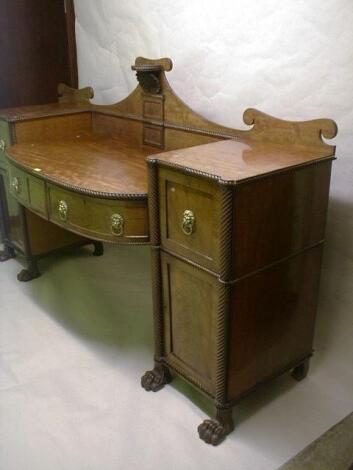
(23,113)
(92,217)
(126,129)
(279,216)
(272,321)
(94,163)
(190,297)
(235,162)
(183,192)
(52,128)
(46,237)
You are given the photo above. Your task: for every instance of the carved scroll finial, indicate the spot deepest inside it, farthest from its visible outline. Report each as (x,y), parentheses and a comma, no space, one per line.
(148,73)
(164,64)
(302,133)
(67,94)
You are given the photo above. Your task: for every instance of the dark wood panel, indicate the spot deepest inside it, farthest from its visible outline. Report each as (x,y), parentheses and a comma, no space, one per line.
(279,215)
(33,52)
(46,237)
(272,320)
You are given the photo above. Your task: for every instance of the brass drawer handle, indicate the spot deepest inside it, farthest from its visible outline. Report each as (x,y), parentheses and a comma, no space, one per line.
(188,222)
(63,210)
(16,185)
(2,145)
(117,226)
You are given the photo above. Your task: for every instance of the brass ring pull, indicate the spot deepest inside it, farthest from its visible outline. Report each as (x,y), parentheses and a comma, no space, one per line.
(2,145)
(63,210)
(117,225)
(188,222)
(15,184)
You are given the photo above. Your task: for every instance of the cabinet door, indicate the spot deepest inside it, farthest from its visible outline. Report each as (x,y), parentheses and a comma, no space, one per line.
(190,308)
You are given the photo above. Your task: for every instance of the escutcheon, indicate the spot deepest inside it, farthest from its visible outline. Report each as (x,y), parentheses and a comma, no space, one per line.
(188,222)
(15,184)
(63,210)
(117,226)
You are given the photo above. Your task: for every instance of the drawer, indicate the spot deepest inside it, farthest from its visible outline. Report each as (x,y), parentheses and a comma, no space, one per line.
(28,190)
(18,185)
(37,200)
(104,219)
(189,217)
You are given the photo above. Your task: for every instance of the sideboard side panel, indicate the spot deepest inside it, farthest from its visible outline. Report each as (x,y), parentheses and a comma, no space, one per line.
(272,321)
(280,215)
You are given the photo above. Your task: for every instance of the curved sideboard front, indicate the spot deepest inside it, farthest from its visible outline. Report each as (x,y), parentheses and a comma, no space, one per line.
(110,220)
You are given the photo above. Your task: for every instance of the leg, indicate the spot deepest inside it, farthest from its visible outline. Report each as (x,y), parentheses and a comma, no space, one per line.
(301,371)
(32,272)
(214,431)
(156,378)
(7,253)
(98,249)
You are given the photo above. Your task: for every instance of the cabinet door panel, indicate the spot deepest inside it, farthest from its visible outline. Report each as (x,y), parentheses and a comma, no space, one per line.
(190,306)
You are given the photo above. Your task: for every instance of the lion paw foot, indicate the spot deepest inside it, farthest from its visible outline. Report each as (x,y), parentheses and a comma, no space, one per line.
(212,431)
(155,379)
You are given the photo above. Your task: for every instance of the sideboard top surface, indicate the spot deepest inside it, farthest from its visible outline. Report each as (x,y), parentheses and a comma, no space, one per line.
(231,161)
(99,164)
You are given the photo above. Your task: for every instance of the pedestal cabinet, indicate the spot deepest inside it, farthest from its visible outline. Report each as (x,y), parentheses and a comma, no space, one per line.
(236,260)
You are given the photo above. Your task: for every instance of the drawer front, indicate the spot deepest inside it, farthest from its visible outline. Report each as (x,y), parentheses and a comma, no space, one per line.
(190,299)
(28,190)
(4,142)
(104,219)
(37,200)
(189,217)
(18,185)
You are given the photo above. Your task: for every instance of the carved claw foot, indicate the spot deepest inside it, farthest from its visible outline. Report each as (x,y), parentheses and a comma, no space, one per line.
(7,254)
(27,275)
(212,431)
(300,372)
(98,249)
(155,379)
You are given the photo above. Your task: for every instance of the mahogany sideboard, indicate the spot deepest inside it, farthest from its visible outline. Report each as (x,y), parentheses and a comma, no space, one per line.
(235,220)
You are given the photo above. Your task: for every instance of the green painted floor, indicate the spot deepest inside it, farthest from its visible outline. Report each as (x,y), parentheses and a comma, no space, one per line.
(331,451)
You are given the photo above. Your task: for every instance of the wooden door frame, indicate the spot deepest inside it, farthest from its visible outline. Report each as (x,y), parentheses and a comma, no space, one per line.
(71,42)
